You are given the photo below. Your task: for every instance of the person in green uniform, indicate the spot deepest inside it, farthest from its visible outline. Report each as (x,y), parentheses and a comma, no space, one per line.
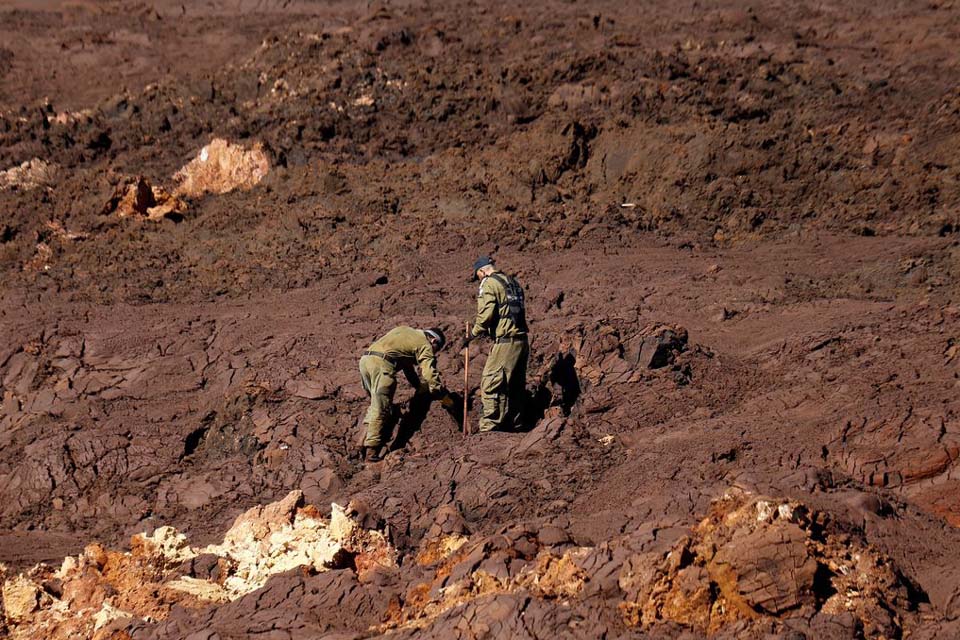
(501,316)
(401,349)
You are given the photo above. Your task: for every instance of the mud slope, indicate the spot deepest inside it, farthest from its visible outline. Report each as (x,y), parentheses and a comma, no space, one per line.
(736,225)
(520,126)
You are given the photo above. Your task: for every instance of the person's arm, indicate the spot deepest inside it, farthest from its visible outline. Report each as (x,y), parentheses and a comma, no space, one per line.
(486,309)
(411,376)
(428,369)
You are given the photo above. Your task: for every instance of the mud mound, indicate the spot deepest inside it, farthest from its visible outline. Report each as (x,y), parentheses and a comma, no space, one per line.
(753,559)
(500,131)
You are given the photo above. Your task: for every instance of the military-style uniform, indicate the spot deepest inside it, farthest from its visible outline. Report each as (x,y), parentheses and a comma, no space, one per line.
(501,315)
(401,349)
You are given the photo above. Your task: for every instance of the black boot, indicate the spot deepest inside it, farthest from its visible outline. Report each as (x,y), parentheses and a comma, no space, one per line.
(372,454)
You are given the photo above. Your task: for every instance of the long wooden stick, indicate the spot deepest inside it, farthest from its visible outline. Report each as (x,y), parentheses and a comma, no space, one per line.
(466,384)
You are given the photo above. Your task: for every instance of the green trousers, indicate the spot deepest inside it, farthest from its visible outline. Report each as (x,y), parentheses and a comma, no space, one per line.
(380,382)
(503,384)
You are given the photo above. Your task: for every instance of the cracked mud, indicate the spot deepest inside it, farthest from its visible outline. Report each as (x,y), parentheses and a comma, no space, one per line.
(736,224)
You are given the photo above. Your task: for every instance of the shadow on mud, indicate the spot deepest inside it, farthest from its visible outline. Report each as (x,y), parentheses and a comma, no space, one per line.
(559,386)
(409,422)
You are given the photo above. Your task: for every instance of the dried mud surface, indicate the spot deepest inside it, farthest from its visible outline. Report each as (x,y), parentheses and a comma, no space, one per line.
(737,226)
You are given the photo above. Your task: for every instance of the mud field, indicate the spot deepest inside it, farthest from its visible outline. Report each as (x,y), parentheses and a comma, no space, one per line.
(738,227)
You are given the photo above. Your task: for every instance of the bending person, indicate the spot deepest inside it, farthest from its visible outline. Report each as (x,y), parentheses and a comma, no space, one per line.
(401,349)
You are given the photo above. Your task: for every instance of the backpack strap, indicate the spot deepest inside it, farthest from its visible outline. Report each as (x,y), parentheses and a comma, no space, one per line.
(514,304)
(502,279)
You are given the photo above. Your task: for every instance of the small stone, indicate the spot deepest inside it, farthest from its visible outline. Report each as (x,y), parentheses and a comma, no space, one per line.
(785,511)
(764,511)
(723,315)
(342,526)
(660,346)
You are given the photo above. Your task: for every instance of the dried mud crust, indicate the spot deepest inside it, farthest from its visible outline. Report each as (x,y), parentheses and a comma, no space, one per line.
(123,419)
(742,414)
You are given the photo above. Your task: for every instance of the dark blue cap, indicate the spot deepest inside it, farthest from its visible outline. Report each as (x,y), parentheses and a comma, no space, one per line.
(480,263)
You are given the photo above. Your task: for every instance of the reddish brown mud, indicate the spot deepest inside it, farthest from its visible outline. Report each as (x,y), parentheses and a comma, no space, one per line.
(737,227)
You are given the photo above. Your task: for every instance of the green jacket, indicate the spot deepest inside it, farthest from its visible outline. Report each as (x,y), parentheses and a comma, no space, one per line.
(493,318)
(406,347)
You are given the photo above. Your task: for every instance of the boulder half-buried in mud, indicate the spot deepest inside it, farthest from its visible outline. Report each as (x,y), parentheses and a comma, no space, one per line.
(660,346)
(221,167)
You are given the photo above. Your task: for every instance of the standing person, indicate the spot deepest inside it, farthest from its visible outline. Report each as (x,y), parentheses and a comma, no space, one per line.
(402,348)
(501,315)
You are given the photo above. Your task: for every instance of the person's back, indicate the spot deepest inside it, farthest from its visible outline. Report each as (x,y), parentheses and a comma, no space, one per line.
(401,343)
(509,319)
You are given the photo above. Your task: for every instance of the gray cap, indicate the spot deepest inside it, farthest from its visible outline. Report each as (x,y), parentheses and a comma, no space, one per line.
(437,334)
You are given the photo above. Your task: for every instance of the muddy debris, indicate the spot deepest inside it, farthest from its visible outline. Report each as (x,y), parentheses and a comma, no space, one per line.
(753,563)
(31,174)
(138,198)
(753,559)
(737,228)
(90,592)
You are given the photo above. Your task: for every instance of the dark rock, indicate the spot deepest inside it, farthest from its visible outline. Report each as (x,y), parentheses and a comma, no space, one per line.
(661,347)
